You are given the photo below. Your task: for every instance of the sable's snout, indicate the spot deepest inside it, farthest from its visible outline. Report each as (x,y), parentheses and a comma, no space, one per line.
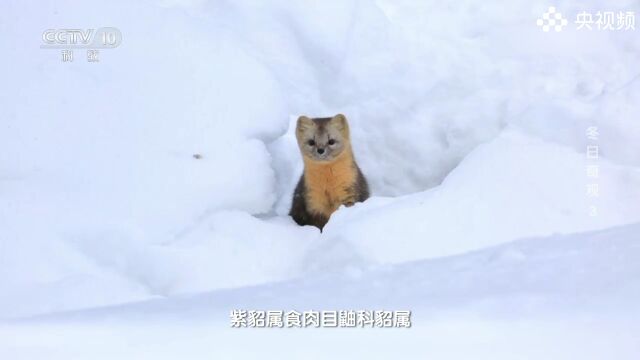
(320,151)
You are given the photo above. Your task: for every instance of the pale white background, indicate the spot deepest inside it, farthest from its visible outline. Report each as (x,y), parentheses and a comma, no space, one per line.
(467,119)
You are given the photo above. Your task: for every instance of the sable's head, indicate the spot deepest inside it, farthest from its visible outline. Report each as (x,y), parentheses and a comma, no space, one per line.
(323,139)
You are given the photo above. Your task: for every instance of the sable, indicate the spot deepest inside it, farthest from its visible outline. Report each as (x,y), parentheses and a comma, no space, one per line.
(331,175)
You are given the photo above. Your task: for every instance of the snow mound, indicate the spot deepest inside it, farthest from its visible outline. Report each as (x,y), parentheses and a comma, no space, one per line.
(554,297)
(589,273)
(515,186)
(168,167)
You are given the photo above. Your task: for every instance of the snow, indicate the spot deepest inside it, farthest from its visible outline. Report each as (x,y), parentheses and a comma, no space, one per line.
(515,186)
(557,297)
(468,121)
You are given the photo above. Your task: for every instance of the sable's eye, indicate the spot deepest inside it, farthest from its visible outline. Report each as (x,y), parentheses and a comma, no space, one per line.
(331,142)
(311,142)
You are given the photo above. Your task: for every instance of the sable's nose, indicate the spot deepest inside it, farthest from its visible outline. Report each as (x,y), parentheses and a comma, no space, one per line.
(320,151)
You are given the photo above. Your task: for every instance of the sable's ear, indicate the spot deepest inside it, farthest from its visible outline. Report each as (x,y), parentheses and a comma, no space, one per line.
(304,122)
(342,120)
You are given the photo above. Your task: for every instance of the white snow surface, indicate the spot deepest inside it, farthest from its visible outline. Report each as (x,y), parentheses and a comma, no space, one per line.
(468,121)
(557,297)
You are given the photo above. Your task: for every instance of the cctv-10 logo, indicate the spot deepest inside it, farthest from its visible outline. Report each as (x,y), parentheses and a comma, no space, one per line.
(102,38)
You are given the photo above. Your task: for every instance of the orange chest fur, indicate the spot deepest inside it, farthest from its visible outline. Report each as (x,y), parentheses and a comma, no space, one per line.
(329,185)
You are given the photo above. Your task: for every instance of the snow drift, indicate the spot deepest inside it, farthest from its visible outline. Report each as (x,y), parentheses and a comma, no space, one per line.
(468,121)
